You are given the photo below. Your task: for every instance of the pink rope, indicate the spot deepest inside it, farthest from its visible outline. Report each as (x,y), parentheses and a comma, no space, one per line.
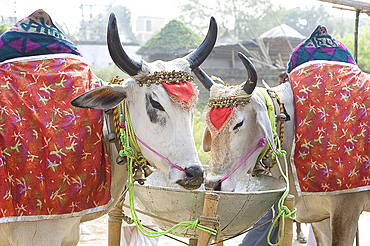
(260,144)
(164,158)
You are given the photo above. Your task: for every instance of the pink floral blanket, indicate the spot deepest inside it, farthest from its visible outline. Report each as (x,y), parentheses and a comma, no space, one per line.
(332,152)
(53,162)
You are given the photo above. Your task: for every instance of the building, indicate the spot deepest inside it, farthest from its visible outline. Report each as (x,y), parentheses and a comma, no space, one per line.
(270,53)
(147,26)
(97,55)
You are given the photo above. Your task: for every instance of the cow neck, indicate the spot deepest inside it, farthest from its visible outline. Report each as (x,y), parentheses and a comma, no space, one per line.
(261,143)
(127,135)
(277,119)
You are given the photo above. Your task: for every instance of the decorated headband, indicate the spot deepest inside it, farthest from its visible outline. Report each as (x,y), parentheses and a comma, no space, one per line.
(221,102)
(221,111)
(165,77)
(178,85)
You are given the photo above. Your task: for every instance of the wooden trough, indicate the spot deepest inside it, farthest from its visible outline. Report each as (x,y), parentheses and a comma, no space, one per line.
(237,211)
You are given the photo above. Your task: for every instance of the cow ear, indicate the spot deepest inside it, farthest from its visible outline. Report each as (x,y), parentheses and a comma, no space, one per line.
(104,97)
(207,140)
(264,125)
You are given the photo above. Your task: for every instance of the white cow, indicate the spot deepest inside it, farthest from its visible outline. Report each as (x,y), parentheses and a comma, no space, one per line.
(334,217)
(156,119)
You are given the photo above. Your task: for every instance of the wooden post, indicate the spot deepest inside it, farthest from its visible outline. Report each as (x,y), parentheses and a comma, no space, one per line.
(219,239)
(358,11)
(114,226)
(209,210)
(193,242)
(288,227)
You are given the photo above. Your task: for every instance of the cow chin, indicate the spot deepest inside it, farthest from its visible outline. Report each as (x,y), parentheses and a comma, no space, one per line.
(215,184)
(190,180)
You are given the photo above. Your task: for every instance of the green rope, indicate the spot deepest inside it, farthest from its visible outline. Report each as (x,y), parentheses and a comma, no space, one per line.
(126,136)
(283,211)
(271,115)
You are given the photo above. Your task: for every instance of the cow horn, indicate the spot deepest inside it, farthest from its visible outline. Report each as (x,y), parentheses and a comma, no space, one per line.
(251,82)
(203,78)
(116,51)
(198,56)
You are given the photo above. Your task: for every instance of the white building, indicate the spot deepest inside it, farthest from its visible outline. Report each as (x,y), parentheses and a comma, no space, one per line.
(147,26)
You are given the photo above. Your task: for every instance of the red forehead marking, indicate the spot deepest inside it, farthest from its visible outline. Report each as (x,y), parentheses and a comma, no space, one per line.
(182,90)
(218,116)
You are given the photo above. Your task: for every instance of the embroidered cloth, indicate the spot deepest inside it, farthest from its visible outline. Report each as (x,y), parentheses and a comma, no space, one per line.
(34,35)
(53,162)
(332,152)
(320,46)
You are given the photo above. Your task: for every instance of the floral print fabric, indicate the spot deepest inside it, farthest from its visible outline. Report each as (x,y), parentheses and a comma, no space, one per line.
(53,158)
(332,150)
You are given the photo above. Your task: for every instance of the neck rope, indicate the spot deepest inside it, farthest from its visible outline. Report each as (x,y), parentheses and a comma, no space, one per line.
(261,143)
(267,151)
(283,211)
(126,127)
(126,135)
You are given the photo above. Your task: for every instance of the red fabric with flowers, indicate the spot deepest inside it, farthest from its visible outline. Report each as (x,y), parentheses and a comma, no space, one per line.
(53,159)
(332,151)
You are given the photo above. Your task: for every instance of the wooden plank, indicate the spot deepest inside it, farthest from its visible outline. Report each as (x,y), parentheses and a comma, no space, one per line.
(350,3)
(209,210)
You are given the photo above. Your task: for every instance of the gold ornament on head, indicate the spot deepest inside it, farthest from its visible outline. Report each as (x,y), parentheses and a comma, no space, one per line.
(166,77)
(221,102)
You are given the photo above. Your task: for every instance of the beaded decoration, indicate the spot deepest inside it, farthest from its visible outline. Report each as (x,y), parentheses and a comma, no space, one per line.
(221,102)
(165,77)
(221,111)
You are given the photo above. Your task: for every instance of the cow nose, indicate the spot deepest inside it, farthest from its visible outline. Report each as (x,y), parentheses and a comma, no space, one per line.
(193,178)
(194,171)
(213,185)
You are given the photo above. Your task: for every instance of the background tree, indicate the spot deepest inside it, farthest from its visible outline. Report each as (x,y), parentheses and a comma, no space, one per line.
(249,19)
(306,20)
(95,28)
(172,41)
(363,52)
(238,16)
(3,28)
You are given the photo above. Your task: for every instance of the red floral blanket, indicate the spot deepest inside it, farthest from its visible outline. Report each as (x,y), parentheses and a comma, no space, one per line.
(332,152)
(53,159)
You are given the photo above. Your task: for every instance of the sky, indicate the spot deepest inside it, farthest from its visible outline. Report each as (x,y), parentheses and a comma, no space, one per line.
(69,12)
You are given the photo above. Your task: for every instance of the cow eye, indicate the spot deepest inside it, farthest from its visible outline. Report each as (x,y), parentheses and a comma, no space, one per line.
(155,104)
(238,125)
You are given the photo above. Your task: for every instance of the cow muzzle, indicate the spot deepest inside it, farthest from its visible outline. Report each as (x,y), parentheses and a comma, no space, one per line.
(190,180)
(213,185)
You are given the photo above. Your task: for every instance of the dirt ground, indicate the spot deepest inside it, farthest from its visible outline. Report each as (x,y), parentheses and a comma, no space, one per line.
(99,234)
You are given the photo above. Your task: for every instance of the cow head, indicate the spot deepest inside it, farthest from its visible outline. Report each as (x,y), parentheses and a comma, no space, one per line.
(161,114)
(237,120)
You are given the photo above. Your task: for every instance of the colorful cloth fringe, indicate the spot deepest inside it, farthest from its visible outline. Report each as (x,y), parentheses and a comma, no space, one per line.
(34,35)
(320,46)
(332,152)
(53,160)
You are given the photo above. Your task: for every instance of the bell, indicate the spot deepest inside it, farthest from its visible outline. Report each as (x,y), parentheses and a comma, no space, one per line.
(121,160)
(112,137)
(108,111)
(258,169)
(281,117)
(267,160)
(148,170)
(139,176)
